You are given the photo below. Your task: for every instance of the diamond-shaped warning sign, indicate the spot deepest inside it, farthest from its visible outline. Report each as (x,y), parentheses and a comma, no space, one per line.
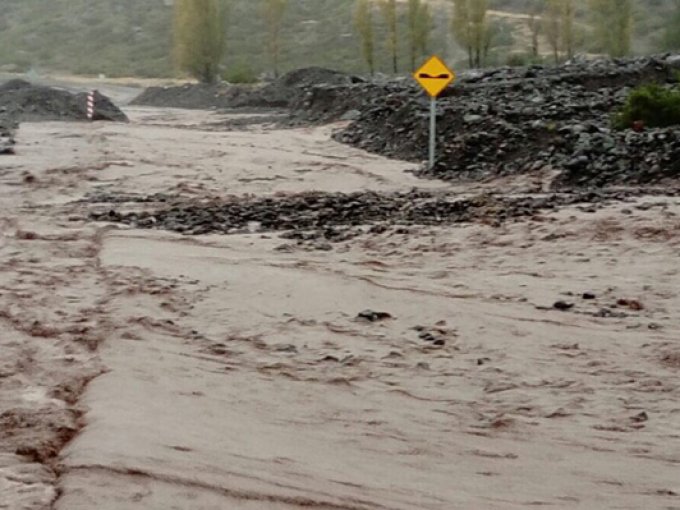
(434,76)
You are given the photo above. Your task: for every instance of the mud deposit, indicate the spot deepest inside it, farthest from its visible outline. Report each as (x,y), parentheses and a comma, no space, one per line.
(487,346)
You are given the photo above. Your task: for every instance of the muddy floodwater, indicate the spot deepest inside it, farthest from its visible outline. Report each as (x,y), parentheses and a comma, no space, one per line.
(476,365)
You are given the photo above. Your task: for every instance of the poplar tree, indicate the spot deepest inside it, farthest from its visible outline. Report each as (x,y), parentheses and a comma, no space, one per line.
(461,28)
(363,21)
(390,15)
(273,12)
(613,21)
(471,29)
(419,26)
(198,37)
(424,25)
(481,30)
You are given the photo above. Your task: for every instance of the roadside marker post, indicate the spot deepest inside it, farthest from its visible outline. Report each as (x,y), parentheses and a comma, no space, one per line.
(434,76)
(90,105)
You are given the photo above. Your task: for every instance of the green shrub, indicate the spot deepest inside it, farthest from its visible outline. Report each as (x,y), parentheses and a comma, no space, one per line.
(653,104)
(522,60)
(518,60)
(240,73)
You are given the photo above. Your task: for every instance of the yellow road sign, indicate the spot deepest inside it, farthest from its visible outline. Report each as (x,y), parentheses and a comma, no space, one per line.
(434,76)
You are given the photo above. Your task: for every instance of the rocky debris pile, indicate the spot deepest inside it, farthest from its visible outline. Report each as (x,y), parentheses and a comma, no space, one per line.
(311,76)
(191,96)
(280,93)
(340,216)
(21,101)
(329,103)
(591,74)
(520,120)
(600,157)
(103,197)
(287,90)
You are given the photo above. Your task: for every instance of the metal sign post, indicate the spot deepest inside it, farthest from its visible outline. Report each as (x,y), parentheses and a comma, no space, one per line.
(434,76)
(433,131)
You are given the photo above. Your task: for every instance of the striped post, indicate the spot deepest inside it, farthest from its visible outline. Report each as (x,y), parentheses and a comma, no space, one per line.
(90,105)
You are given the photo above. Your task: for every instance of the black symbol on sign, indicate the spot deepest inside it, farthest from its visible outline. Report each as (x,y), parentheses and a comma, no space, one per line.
(431,77)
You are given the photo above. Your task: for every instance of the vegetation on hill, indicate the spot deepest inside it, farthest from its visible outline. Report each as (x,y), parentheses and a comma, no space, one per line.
(134,37)
(671,36)
(87,36)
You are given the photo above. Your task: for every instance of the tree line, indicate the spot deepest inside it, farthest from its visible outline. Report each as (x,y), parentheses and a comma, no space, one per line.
(199,29)
(553,21)
(401,31)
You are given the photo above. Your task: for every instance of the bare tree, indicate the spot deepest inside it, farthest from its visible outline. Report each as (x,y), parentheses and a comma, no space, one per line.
(471,29)
(534,23)
(389,11)
(551,27)
(567,27)
(462,28)
(273,12)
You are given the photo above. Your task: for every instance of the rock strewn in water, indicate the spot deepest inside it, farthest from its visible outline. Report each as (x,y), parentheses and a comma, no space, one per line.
(331,215)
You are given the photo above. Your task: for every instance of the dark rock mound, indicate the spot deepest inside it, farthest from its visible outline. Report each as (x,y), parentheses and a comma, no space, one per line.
(310,76)
(190,96)
(291,88)
(328,103)
(280,93)
(588,74)
(521,121)
(22,101)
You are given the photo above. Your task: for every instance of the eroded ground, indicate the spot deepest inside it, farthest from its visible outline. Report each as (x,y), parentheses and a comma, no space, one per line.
(226,372)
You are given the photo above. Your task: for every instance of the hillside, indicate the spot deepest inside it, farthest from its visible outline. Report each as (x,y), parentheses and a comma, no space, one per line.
(133,37)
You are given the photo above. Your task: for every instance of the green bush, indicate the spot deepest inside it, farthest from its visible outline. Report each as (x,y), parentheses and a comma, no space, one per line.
(653,105)
(522,60)
(518,60)
(240,73)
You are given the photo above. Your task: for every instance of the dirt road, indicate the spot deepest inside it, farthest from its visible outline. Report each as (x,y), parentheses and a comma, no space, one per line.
(148,370)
